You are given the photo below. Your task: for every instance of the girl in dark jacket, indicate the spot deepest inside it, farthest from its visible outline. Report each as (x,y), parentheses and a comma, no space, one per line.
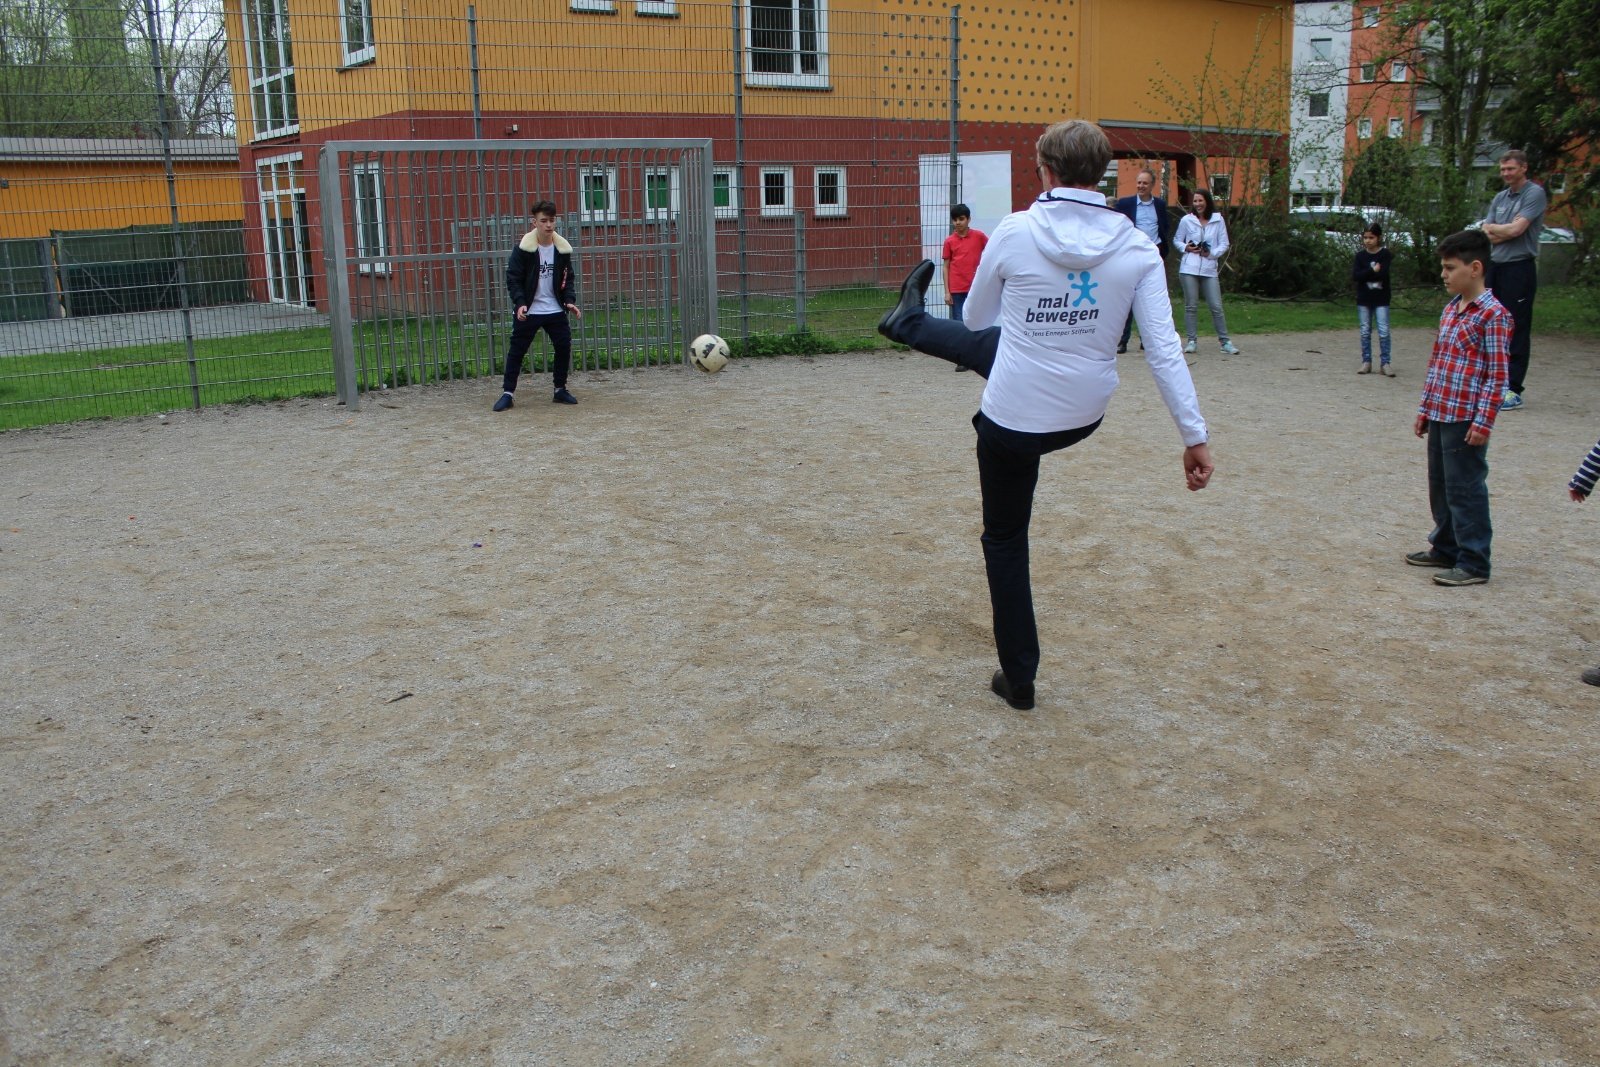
(1371,274)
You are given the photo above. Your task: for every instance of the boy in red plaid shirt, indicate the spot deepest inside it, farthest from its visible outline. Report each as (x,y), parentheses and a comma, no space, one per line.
(1460,399)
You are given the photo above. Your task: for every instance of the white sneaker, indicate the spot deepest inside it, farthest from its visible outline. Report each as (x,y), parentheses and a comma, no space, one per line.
(1188,349)
(1229,349)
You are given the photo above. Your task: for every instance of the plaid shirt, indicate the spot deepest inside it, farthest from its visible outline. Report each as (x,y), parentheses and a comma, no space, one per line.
(1467,371)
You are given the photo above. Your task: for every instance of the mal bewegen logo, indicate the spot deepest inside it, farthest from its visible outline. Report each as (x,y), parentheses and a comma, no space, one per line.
(1068,309)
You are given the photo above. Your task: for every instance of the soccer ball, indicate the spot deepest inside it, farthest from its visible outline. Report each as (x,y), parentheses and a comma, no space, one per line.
(709,353)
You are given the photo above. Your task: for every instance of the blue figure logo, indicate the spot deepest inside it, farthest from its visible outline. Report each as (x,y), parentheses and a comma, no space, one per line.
(1085,289)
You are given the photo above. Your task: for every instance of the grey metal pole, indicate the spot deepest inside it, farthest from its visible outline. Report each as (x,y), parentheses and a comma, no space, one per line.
(472,56)
(799,271)
(178,256)
(955,105)
(738,168)
(340,324)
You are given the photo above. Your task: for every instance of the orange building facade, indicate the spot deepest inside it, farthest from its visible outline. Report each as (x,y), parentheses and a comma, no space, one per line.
(846,100)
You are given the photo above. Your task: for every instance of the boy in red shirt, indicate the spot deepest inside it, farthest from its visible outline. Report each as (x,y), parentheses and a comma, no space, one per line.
(962,250)
(1460,399)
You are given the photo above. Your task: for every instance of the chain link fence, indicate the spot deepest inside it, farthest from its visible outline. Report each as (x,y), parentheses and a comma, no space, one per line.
(162,232)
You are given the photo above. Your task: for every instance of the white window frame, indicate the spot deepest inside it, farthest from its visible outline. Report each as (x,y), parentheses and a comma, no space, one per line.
(363,251)
(731,211)
(660,214)
(597,7)
(365,51)
(1557,183)
(1322,49)
(1398,70)
(280,183)
(662,8)
(1369,17)
(829,211)
(1311,102)
(1397,127)
(1427,131)
(793,79)
(776,211)
(609,212)
(1368,73)
(1221,186)
(1363,129)
(273,80)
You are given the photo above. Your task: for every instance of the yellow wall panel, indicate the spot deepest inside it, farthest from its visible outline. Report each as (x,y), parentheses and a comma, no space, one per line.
(109,195)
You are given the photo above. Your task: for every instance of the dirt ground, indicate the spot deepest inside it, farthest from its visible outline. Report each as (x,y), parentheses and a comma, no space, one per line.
(656,731)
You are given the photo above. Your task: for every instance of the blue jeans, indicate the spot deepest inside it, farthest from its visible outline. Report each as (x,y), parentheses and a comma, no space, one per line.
(1008,473)
(1194,285)
(1381,314)
(957,302)
(1458,494)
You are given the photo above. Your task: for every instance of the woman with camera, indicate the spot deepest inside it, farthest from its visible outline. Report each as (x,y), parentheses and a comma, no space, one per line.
(1203,236)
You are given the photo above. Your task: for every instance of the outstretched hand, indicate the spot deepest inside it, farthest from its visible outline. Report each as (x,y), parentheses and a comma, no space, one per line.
(1197,466)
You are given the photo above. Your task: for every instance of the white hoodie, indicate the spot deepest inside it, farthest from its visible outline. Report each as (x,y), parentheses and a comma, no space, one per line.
(1060,279)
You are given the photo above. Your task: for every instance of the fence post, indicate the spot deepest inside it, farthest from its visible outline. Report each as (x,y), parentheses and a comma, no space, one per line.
(178,256)
(738,190)
(53,308)
(955,105)
(799,271)
(340,326)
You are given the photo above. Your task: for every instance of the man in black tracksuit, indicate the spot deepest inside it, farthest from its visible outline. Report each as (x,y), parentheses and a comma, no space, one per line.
(543,284)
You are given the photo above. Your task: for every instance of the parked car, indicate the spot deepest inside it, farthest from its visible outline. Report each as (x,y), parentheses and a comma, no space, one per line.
(1345,224)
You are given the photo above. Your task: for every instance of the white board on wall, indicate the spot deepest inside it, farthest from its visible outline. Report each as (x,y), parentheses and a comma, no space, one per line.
(985,183)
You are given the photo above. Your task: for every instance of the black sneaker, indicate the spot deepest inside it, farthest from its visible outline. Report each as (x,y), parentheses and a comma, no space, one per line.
(1457,576)
(563,397)
(1427,559)
(503,403)
(1019,696)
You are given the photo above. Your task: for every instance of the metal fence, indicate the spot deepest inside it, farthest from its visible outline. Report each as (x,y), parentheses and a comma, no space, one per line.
(420,294)
(163,239)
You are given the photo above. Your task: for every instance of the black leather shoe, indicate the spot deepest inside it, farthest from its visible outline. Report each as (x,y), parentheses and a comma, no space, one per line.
(912,293)
(1019,697)
(563,397)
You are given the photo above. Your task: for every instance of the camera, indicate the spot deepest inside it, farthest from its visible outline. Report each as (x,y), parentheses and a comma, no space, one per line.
(1203,247)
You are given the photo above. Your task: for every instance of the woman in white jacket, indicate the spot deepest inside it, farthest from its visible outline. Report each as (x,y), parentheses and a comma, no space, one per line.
(1203,236)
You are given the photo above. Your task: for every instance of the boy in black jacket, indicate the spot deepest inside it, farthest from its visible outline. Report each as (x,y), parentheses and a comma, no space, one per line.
(544,286)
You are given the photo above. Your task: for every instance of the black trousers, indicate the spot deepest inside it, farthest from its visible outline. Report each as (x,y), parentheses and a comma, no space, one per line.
(950,340)
(1515,284)
(1008,472)
(523,331)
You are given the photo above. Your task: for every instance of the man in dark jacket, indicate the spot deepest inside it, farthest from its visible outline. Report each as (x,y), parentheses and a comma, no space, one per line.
(1149,214)
(543,284)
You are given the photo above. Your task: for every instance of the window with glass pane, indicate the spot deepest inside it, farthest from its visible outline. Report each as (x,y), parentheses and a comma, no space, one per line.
(1317,105)
(371,242)
(270,58)
(723,201)
(777,191)
(786,42)
(598,195)
(830,192)
(359,45)
(1322,48)
(657,192)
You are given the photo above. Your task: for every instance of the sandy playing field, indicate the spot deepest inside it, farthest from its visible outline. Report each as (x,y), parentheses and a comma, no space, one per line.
(657,731)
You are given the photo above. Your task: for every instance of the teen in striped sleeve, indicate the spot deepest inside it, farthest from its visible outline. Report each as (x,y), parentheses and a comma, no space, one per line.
(1460,399)
(1579,488)
(1582,483)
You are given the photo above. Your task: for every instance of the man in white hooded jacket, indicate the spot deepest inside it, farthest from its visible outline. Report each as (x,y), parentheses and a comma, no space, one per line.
(1060,279)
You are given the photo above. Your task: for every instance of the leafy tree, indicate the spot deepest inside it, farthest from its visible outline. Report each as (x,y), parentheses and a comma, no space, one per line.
(82,68)
(1385,175)
(1552,111)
